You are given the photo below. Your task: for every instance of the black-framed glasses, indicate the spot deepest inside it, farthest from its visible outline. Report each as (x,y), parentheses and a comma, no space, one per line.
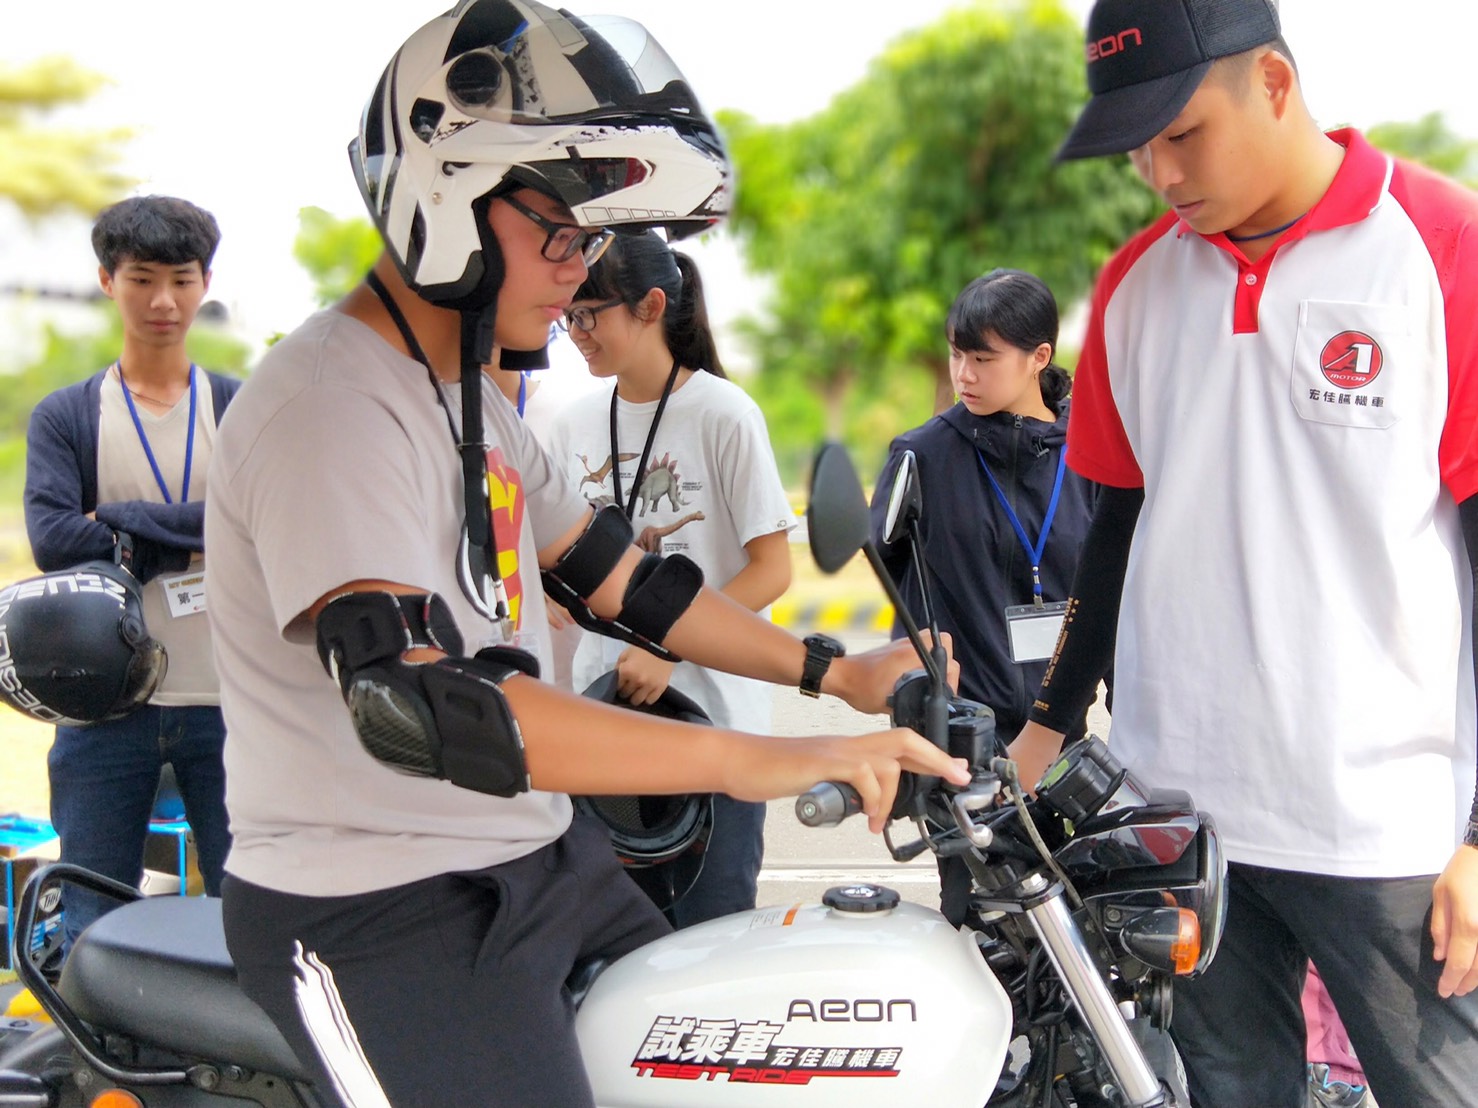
(583,317)
(564,240)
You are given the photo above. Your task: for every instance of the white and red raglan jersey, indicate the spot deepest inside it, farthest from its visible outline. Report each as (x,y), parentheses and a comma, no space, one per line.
(1293,644)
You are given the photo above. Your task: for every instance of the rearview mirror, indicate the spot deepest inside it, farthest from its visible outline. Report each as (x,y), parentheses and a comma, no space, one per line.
(906,503)
(836,517)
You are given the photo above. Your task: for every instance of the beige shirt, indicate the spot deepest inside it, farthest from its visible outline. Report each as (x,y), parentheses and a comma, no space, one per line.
(124,474)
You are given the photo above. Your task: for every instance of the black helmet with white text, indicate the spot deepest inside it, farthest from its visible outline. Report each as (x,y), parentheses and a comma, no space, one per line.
(74,649)
(500,94)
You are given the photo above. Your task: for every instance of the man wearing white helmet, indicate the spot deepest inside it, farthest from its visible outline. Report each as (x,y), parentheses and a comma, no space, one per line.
(396,777)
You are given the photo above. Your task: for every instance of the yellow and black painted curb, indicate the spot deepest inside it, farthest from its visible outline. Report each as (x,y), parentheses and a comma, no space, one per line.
(837,614)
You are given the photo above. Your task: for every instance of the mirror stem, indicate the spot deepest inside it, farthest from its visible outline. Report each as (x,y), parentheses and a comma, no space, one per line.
(900,610)
(916,556)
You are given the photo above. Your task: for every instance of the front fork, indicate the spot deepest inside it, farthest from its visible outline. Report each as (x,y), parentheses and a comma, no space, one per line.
(1059,935)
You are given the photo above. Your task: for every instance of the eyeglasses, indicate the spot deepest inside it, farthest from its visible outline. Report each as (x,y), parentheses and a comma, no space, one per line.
(582,317)
(565,240)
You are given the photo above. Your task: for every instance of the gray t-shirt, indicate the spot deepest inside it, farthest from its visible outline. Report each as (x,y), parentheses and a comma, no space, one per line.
(336,463)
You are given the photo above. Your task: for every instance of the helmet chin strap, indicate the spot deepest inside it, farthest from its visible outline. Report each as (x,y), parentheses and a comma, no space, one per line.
(477,351)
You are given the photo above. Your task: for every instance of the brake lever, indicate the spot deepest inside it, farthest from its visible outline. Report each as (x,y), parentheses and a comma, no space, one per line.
(981,793)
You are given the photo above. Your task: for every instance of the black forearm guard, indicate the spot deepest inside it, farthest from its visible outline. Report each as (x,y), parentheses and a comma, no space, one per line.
(658,593)
(1085,649)
(1468,516)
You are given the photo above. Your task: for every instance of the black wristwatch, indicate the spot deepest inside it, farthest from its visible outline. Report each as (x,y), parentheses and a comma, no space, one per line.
(820,650)
(1470,836)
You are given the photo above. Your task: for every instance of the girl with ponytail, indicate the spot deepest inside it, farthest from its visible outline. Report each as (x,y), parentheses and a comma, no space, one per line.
(686,454)
(999,502)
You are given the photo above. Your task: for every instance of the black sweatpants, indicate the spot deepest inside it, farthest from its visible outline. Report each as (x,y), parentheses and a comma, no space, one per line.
(1240,1027)
(454,985)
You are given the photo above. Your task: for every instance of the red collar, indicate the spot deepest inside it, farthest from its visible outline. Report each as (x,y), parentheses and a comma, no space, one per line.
(1356,190)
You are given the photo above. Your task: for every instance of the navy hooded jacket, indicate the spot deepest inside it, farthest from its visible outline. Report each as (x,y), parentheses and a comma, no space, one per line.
(976,564)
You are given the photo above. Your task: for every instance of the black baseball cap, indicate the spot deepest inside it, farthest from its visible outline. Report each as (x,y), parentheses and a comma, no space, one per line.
(1146,58)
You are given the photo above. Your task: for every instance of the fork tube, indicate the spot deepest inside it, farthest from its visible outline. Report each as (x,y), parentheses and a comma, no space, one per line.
(1059,933)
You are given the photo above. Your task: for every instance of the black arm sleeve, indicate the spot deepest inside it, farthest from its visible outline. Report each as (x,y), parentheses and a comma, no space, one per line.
(1468,514)
(1085,649)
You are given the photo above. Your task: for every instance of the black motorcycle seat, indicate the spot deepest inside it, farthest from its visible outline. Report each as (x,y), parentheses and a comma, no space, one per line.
(157,970)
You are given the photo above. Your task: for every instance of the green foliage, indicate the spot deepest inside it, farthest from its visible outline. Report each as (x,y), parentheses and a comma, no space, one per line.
(1431,142)
(337,253)
(936,167)
(45,169)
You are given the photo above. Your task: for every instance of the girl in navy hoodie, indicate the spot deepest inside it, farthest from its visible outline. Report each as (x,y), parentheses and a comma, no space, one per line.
(1004,517)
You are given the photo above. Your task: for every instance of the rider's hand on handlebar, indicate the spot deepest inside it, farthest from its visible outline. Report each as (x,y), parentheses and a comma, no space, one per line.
(768,768)
(865,680)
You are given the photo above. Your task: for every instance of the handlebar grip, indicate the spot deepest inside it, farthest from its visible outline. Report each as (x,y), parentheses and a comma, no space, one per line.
(827,804)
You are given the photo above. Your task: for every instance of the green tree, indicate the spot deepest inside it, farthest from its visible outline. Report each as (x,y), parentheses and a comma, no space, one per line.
(1432,142)
(337,253)
(45,169)
(936,167)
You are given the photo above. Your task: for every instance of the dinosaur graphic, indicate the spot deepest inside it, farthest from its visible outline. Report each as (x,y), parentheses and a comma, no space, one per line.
(660,480)
(651,538)
(597,477)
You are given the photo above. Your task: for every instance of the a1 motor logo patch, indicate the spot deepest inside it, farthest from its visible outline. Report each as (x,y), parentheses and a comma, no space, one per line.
(1351,360)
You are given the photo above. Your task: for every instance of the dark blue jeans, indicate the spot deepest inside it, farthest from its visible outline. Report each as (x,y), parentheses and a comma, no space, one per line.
(729,881)
(103,780)
(1240,1026)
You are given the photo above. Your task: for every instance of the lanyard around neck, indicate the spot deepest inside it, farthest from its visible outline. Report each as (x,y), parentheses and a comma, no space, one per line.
(1034,552)
(646,451)
(138,425)
(500,608)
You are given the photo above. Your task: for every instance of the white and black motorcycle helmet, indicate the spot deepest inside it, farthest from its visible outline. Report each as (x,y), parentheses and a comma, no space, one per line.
(648,831)
(499,94)
(74,649)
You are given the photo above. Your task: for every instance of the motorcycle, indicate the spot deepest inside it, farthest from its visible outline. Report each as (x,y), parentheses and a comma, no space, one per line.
(1087,900)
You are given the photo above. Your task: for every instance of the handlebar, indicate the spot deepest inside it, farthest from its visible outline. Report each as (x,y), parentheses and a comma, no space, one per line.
(827,804)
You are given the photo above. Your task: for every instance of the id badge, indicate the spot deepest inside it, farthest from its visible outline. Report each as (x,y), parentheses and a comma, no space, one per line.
(1033,631)
(184,594)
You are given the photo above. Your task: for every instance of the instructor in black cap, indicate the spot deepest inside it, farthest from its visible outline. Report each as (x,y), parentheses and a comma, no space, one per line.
(1278,390)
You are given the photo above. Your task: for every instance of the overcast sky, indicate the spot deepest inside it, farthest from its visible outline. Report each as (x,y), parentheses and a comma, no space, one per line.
(246,108)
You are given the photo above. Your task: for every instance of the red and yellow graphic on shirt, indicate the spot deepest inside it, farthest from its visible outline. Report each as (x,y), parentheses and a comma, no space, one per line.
(505,508)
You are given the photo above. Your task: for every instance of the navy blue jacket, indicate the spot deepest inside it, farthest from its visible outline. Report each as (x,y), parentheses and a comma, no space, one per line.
(976,565)
(62,487)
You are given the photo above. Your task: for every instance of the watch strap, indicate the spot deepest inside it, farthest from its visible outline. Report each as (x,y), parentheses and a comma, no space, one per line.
(820,650)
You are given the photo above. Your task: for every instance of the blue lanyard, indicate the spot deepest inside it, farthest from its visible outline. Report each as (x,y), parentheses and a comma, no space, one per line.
(523,390)
(144,439)
(1032,552)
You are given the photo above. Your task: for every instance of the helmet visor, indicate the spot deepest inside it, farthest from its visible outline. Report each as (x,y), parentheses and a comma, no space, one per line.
(565,70)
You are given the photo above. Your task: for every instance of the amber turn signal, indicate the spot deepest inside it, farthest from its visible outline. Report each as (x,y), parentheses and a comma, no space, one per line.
(1165,938)
(116,1098)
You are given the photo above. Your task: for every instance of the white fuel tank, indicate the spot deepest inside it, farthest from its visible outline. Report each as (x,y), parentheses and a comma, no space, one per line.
(860,1001)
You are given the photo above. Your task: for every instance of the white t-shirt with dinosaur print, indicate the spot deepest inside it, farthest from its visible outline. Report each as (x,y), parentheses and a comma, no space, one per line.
(710,486)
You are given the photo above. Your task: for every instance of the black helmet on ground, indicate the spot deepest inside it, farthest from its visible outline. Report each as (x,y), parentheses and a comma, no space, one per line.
(74,649)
